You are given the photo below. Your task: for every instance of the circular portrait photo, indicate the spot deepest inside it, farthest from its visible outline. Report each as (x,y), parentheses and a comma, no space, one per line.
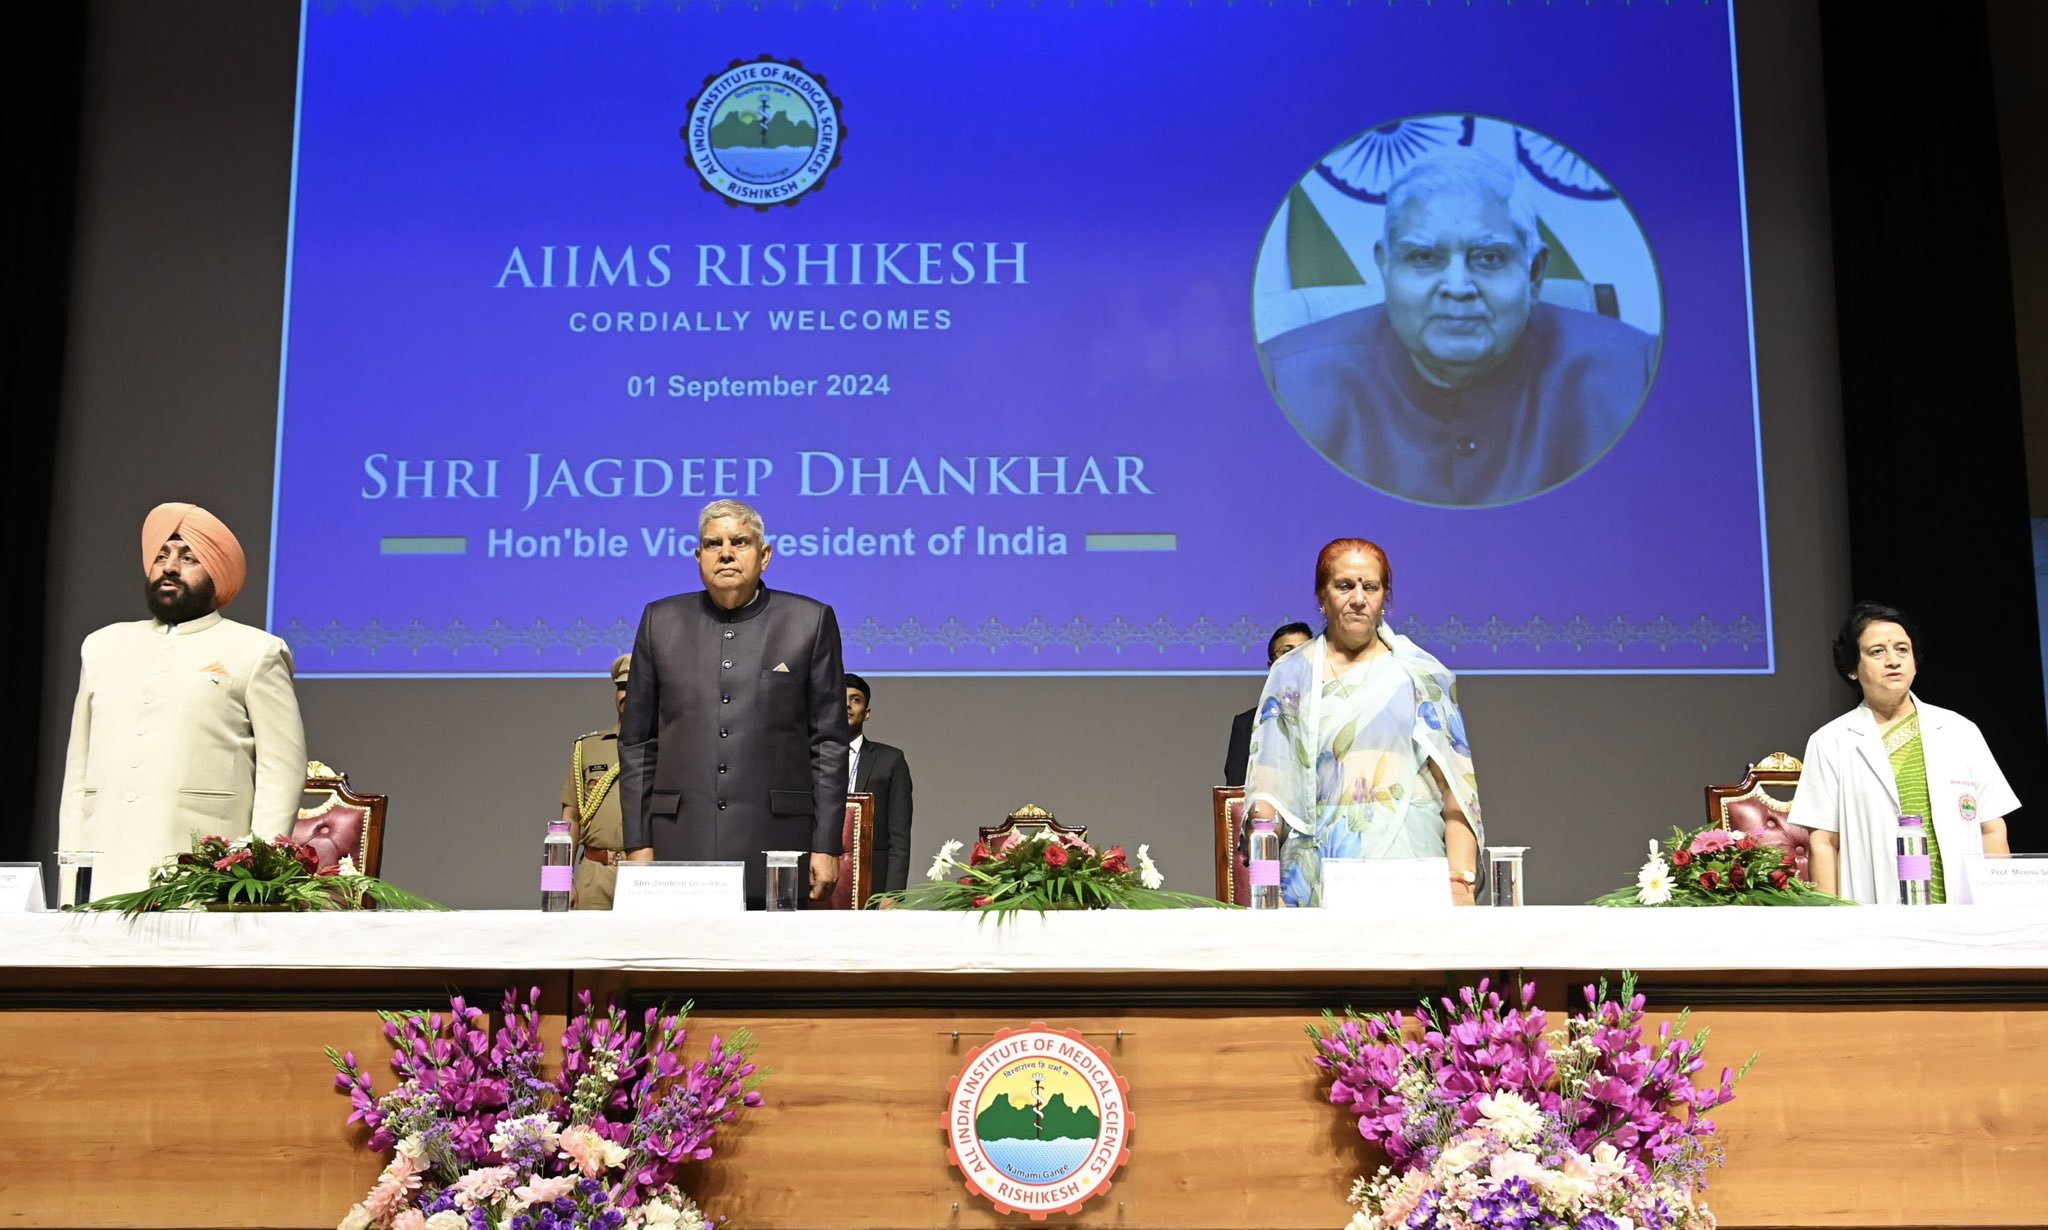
(1457,311)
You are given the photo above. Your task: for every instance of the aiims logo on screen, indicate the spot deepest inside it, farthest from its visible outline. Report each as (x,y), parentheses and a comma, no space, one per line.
(1037,1121)
(763,132)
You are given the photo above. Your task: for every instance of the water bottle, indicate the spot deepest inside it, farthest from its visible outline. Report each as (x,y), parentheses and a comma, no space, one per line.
(1916,869)
(557,876)
(1265,865)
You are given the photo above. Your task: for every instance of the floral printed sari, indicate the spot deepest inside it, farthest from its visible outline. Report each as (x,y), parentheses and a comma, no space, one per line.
(1343,761)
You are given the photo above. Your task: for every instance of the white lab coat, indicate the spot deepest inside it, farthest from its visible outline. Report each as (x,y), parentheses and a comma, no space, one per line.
(1847,787)
(195,730)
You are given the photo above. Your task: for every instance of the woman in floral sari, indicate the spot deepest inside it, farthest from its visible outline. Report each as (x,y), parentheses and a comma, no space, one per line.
(1359,746)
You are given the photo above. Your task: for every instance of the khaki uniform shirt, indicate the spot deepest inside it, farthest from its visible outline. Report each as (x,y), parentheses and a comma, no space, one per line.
(177,731)
(598,825)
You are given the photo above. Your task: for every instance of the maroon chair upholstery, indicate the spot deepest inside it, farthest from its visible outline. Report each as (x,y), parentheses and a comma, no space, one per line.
(1029,820)
(335,821)
(856,860)
(1233,883)
(1747,810)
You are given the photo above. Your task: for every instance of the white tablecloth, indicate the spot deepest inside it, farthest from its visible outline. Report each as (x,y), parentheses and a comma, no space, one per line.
(1952,939)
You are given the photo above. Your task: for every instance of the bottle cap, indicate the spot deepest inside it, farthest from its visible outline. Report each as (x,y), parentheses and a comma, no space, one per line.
(1911,822)
(1263,822)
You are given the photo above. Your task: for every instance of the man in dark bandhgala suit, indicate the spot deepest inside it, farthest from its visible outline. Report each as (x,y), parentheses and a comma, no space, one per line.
(733,740)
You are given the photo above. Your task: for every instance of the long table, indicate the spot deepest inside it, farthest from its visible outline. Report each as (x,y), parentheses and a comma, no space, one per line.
(168,1072)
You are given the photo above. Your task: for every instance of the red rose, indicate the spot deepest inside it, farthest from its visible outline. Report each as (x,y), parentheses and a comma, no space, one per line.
(979,855)
(1114,860)
(1681,857)
(1710,880)
(1745,843)
(1055,854)
(1737,876)
(1780,878)
(981,903)
(967,879)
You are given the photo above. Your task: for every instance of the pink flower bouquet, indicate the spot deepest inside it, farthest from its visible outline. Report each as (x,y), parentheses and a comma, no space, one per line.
(1490,1119)
(1042,871)
(481,1139)
(1712,866)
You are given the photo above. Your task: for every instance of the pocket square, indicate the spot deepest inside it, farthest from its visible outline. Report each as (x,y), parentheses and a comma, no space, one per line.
(215,672)
(782,667)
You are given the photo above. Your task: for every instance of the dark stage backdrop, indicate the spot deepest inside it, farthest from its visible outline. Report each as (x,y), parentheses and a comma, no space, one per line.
(42,71)
(171,392)
(1937,472)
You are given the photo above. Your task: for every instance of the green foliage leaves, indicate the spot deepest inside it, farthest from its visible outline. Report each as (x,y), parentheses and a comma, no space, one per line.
(278,873)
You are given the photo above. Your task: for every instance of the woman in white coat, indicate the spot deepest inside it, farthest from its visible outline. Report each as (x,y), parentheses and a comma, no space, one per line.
(1895,755)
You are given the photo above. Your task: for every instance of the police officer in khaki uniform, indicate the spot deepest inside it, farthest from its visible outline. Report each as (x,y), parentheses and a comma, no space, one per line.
(590,803)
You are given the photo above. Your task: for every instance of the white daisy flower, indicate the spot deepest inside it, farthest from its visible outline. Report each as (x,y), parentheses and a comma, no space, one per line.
(1653,883)
(943,864)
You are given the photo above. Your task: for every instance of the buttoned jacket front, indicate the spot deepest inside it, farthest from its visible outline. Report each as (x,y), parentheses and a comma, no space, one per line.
(734,736)
(178,730)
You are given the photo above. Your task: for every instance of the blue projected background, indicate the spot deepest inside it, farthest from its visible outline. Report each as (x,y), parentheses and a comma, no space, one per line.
(983,342)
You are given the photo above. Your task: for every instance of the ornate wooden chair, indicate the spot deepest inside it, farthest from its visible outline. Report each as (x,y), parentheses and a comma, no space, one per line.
(1029,821)
(1746,808)
(1232,872)
(856,863)
(337,821)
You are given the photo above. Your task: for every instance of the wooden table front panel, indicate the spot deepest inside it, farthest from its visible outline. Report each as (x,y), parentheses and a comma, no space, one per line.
(1856,1116)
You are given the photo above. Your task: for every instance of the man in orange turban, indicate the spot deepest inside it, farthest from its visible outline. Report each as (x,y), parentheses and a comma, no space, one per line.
(185,722)
(206,539)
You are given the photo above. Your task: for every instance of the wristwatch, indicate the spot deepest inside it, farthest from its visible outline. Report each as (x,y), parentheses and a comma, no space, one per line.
(1470,879)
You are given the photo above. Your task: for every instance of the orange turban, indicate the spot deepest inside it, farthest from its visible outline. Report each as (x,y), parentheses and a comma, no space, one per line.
(210,539)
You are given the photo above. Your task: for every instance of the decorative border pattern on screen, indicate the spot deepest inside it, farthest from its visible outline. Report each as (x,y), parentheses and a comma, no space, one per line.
(1037,634)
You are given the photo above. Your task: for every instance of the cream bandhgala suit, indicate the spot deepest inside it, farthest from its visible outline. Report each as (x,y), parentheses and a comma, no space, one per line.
(178,729)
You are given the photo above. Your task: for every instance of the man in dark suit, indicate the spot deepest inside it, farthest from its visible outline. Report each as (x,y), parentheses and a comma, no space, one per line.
(733,740)
(880,770)
(1284,638)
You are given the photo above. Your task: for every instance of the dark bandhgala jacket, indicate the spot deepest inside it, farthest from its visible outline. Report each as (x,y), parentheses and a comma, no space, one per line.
(884,773)
(734,736)
(1563,397)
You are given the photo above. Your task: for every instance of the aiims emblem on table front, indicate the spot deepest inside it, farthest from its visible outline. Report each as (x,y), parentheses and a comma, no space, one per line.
(1038,1121)
(763,132)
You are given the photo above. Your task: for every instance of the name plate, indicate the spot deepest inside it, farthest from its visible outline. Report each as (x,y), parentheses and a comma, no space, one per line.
(2019,879)
(681,888)
(21,888)
(1380,885)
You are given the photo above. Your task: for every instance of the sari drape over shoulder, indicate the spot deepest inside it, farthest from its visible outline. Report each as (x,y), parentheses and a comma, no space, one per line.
(1342,761)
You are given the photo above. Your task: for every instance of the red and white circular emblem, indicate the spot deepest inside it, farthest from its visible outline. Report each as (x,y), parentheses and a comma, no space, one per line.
(1038,1121)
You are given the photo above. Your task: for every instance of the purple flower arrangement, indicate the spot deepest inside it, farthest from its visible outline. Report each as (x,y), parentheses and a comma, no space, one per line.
(482,1138)
(1490,1119)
